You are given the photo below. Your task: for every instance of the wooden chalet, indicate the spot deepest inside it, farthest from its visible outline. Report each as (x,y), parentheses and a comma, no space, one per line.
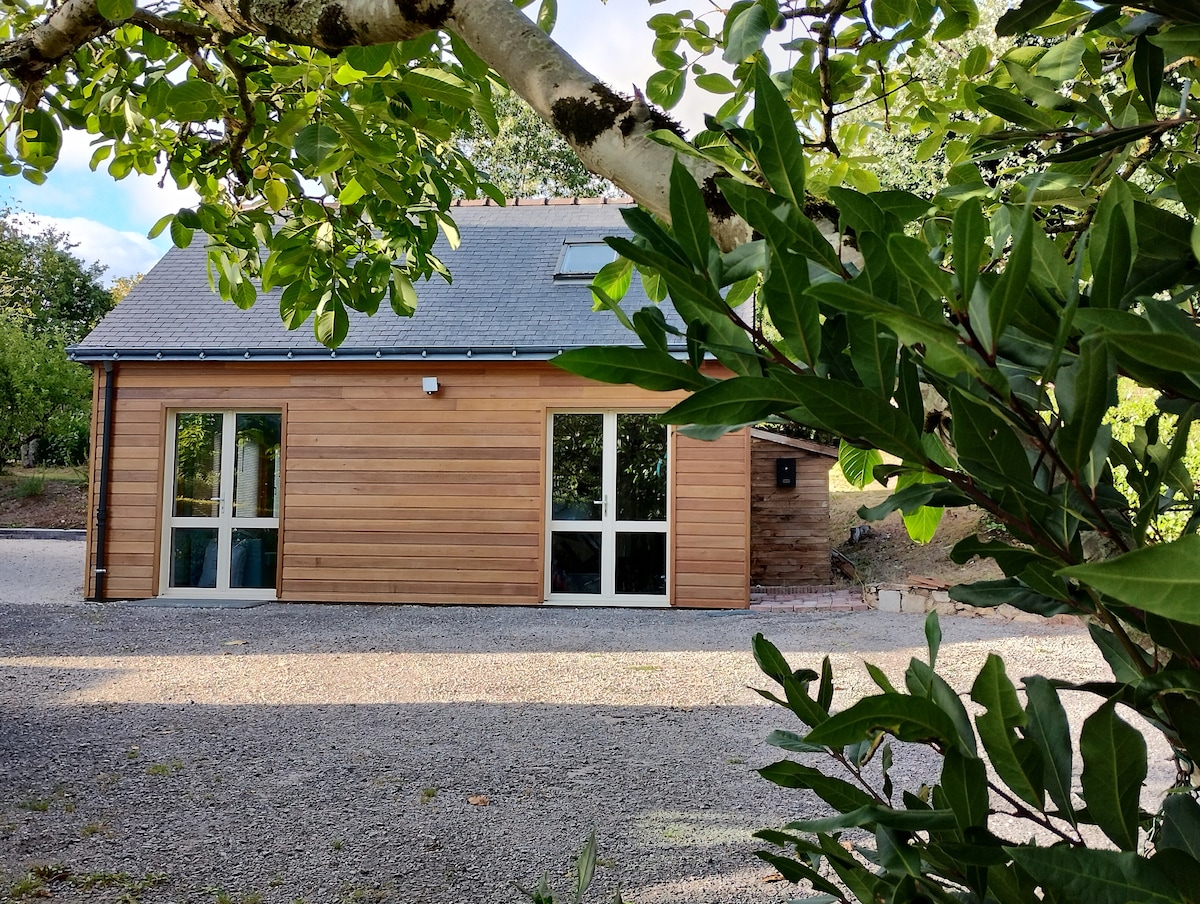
(432,459)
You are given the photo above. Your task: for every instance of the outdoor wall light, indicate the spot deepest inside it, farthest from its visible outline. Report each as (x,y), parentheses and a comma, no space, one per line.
(429,384)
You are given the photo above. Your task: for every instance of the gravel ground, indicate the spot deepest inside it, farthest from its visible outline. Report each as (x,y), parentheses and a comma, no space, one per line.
(418,754)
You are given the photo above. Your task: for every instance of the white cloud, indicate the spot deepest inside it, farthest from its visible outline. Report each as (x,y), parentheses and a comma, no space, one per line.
(123,253)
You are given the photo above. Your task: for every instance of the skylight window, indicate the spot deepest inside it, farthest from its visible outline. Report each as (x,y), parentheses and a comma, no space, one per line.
(583,260)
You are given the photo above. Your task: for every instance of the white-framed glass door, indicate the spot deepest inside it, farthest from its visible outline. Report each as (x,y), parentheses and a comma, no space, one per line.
(607,519)
(221,518)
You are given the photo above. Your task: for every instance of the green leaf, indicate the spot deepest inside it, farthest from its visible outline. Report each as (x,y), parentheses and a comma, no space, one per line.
(370,59)
(276,193)
(913,820)
(39,139)
(648,368)
(1011,592)
(933,637)
(1009,290)
(1148,61)
(1094,876)
(665,87)
(715,83)
(1180,41)
(745,33)
(964,789)
(1163,579)
(987,446)
(439,85)
(1016,760)
(403,297)
(906,718)
(1092,391)
(857,415)
(924,681)
(839,794)
(115,10)
(1013,108)
(1187,182)
(1108,141)
(1180,825)
(314,143)
(794,313)
(689,217)
(547,15)
(778,151)
(789,740)
(968,242)
(1046,726)
(1114,769)
(1113,246)
(194,100)
(738,400)
(857,464)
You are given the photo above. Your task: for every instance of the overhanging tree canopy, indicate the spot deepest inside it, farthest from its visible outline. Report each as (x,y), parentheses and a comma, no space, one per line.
(977,335)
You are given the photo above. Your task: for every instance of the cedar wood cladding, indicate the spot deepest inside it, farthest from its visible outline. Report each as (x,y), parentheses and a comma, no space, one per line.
(790,536)
(390,495)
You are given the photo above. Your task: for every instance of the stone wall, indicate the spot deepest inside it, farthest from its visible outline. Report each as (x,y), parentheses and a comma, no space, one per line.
(920,600)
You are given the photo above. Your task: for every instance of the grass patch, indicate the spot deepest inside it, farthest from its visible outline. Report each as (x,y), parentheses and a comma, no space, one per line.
(34,805)
(428,794)
(164,768)
(29,487)
(41,880)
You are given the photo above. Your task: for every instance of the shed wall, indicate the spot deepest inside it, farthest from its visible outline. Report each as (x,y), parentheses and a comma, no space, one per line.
(391,495)
(790,527)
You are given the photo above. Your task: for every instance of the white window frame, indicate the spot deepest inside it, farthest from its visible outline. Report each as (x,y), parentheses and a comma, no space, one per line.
(225,521)
(608,526)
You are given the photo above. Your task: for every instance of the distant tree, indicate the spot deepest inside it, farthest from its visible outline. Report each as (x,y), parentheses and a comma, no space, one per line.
(123,285)
(47,288)
(528,159)
(43,394)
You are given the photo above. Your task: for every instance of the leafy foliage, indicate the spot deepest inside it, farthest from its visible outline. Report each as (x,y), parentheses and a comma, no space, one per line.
(945,842)
(47,288)
(42,394)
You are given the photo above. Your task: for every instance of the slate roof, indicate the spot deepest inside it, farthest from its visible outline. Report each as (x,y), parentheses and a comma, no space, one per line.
(504,301)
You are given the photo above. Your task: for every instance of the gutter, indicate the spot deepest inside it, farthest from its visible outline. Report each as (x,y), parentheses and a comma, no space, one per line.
(437,353)
(100,569)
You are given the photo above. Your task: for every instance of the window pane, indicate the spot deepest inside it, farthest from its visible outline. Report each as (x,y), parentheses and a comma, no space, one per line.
(256,466)
(578,493)
(641,468)
(585,258)
(642,564)
(253,557)
(197,465)
(575,562)
(194,557)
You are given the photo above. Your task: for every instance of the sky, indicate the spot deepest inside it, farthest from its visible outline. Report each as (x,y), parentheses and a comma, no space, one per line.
(109,220)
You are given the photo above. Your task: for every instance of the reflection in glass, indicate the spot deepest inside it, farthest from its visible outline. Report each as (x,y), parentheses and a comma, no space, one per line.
(194,557)
(197,466)
(578,467)
(253,557)
(641,468)
(256,467)
(642,563)
(575,562)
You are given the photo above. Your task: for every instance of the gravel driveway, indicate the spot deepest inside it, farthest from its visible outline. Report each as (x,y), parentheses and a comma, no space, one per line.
(413,754)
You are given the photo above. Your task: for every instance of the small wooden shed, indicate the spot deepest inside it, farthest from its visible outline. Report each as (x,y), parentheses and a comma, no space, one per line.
(789,510)
(433,459)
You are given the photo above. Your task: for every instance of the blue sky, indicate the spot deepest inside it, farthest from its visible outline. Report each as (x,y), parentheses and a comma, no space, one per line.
(109,220)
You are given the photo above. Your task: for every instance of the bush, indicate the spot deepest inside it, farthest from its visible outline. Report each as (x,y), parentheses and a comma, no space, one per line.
(66,439)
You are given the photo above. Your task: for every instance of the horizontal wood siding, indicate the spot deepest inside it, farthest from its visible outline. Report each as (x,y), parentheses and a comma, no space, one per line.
(392,495)
(711,522)
(790,534)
